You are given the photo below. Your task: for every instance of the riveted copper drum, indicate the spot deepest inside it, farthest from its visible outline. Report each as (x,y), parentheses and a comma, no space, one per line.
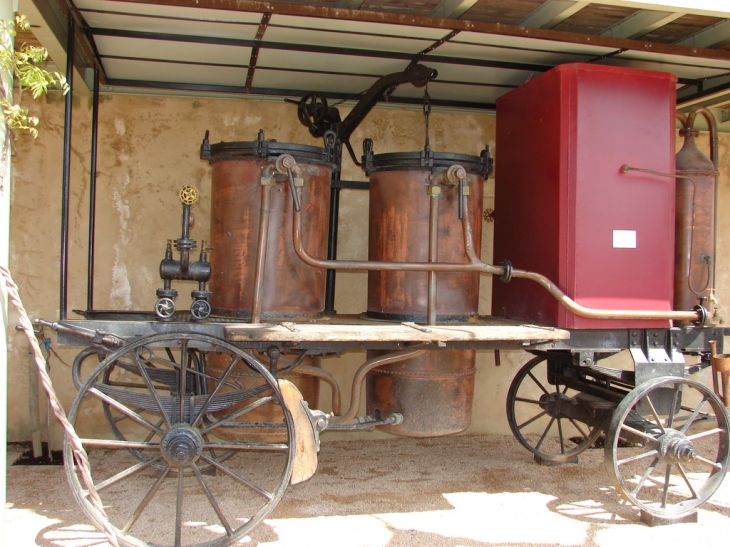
(433,392)
(291,288)
(399,228)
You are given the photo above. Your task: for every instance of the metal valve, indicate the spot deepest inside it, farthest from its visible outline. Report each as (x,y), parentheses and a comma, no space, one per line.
(184,268)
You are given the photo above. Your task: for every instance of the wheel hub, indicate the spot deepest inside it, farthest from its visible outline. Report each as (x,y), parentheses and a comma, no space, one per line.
(181,446)
(677,448)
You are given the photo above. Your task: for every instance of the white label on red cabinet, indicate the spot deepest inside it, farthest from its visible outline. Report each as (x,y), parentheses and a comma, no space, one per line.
(624,239)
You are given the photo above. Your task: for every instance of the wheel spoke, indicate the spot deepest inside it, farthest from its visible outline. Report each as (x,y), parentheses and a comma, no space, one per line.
(637,457)
(212,501)
(237,477)
(709,462)
(179,501)
(545,391)
(638,432)
(560,435)
(152,390)
(654,413)
(705,433)
(258,447)
(145,501)
(579,428)
(228,371)
(667,477)
(673,408)
(237,413)
(686,480)
(544,434)
(694,415)
(645,476)
(523,400)
(183,379)
(126,473)
(124,409)
(113,443)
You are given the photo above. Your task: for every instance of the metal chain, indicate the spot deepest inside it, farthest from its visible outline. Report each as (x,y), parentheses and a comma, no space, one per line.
(82,459)
(426,113)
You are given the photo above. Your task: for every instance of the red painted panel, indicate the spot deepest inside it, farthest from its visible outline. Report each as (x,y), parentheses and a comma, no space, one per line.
(560,195)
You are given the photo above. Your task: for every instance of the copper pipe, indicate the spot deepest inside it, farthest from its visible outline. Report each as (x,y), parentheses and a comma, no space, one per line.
(258,289)
(359,378)
(327,377)
(471,266)
(475,264)
(433,251)
(594,313)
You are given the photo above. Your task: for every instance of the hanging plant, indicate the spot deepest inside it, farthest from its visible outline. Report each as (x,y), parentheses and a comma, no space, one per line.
(26,66)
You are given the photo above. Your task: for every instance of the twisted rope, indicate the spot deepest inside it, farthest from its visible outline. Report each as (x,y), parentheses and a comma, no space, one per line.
(82,459)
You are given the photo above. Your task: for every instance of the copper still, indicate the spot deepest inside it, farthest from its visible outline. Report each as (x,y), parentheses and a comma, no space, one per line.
(255,273)
(415,217)
(696,187)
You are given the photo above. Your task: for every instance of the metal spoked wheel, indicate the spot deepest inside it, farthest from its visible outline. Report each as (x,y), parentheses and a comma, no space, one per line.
(667,446)
(534,415)
(169,480)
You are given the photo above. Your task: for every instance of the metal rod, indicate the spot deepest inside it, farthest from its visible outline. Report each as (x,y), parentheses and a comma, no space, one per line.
(359,378)
(331,275)
(65,189)
(475,264)
(92,193)
(433,251)
(258,288)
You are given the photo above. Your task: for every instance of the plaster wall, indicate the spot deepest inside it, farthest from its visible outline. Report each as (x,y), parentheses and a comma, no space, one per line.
(148,149)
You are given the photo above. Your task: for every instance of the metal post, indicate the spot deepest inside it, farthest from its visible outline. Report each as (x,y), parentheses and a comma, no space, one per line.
(329,290)
(66,168)
(92,193)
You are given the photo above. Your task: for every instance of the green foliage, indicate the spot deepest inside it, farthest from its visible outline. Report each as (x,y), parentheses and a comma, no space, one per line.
(25,64)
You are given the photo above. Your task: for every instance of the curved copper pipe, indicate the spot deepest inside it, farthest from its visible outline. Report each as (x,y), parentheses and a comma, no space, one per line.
(475,264)
(359,378)
(327,377)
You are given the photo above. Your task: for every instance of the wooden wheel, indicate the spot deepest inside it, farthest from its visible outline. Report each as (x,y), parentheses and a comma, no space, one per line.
(152,481)
(533,412)
(667,446)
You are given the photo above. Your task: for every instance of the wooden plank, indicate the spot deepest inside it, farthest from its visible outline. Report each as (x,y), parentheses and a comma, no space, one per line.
(379,332)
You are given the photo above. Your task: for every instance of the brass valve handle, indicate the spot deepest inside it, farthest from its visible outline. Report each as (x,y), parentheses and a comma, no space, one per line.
(189,195)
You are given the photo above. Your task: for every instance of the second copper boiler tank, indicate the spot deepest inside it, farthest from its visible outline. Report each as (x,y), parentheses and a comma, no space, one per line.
(434,392)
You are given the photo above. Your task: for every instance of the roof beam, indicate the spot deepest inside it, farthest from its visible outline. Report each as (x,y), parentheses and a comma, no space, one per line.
(640,24)
(452,9)
(715,36)
(349,4)
(551,13)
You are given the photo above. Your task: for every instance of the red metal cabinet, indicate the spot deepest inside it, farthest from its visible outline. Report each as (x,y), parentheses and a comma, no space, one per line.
(564,208)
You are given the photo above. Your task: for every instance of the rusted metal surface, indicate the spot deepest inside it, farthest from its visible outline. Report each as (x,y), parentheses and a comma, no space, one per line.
(289,288)
(696,191)
(243,377)
(433,392)
(399,232)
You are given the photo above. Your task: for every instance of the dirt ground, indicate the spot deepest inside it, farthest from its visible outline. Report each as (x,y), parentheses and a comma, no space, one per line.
(447,492)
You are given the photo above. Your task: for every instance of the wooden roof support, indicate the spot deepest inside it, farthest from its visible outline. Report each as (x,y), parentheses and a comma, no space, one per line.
(640,24)
(551,13)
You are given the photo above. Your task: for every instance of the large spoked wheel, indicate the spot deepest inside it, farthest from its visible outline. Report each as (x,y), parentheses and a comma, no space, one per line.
(667,446)
(534,413)
(169,479)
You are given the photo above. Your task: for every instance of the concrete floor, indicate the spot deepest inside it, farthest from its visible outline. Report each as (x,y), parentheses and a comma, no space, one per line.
(451,492)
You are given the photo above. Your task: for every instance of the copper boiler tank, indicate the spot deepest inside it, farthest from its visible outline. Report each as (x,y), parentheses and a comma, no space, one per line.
(696,184)
(291,290)
(433,392)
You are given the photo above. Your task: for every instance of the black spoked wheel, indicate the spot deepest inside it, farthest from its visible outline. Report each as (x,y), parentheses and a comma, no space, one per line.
(164,475)
(667,446)
(534,413)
